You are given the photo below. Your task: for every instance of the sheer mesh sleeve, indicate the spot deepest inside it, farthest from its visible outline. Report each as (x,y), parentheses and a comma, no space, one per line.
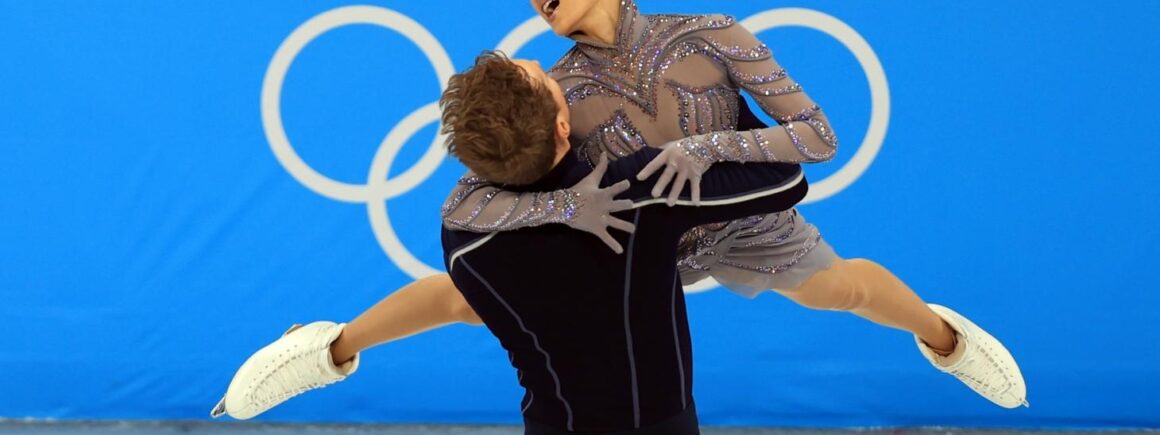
(478,206)
(803,133)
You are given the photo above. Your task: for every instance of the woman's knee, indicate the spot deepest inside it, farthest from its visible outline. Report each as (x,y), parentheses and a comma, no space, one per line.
(863,266)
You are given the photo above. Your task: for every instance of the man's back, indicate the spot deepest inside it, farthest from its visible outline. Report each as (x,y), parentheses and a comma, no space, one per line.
(600,340)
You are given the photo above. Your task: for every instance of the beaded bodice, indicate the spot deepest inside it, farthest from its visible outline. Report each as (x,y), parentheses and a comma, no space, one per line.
(667,79)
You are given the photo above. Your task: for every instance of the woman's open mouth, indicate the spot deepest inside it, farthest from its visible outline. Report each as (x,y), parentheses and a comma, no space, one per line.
(548,7)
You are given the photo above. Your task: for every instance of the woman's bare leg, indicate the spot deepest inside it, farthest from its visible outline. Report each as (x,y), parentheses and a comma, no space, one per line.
(420,306)
(870,291)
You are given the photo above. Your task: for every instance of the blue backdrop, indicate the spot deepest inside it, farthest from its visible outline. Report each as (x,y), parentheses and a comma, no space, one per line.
(152,239)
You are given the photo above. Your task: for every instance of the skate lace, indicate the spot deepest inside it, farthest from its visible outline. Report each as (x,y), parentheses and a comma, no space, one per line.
(982,371)
(286,379)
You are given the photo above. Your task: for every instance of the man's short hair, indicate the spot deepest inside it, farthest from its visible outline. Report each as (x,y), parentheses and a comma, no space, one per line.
(498,122)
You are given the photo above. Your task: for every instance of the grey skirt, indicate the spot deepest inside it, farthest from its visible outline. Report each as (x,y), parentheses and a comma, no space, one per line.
(748,256)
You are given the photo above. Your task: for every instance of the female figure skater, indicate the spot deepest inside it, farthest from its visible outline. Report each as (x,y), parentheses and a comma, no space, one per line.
(671,81)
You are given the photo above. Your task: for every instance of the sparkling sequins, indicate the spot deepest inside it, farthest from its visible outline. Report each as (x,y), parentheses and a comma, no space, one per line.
(804,149)
(800,115)
(607,83)
(467,185)
(706,47)
(580,93)
(560,206)
(804,249)
(632,67)
(776,92)
(763,145)
(616,137)
(824,131)
(704,109)
(711,246)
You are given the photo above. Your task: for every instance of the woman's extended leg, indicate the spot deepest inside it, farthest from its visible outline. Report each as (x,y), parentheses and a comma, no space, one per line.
(951,342)
(868,290)
(420,306)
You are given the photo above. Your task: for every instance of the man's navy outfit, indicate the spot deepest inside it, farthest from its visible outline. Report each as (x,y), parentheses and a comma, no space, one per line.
(600,341)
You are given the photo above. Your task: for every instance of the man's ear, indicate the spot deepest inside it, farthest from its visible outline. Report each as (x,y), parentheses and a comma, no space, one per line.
(563,128)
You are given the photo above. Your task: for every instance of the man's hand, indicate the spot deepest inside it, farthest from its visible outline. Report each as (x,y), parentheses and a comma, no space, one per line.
(680,163)
(594,215)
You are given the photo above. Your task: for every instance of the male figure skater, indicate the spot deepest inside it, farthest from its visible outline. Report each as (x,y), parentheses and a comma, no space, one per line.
(600,340)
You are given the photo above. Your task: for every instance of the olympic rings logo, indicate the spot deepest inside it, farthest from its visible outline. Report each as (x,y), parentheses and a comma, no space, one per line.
(379,188)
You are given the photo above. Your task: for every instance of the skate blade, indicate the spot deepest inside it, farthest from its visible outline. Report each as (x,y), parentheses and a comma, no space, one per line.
(219,409)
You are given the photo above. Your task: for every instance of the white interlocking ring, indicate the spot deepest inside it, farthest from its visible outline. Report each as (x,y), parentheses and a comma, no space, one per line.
(378,187)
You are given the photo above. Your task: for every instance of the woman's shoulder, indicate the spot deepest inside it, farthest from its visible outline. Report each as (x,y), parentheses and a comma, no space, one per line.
(720,31)
(684,24)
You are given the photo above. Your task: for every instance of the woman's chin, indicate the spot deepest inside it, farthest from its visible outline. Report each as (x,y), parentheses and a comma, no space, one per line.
(562,26)
(563,31)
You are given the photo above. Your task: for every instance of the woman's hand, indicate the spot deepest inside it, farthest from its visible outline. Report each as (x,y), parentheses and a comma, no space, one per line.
(681,163)
(594,214)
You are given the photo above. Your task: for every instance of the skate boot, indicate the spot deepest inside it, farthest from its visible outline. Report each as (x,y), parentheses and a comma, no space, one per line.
(979,361)
(297,362)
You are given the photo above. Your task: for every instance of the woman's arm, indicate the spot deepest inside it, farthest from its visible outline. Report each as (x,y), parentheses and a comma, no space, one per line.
(803,135)
(422,305)
(479,206)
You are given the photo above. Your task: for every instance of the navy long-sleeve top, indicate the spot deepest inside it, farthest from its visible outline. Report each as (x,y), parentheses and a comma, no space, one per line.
(600,341)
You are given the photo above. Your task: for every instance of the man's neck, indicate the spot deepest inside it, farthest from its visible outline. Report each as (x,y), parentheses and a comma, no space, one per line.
(560,175)
(561,152)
